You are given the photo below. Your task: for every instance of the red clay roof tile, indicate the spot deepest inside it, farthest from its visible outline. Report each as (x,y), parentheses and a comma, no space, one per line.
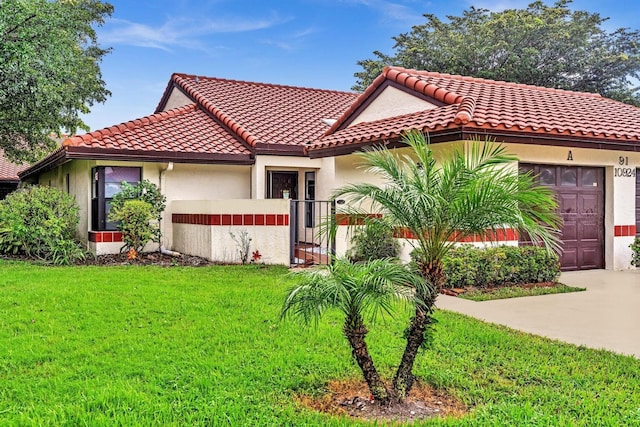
(8,170)
(496,105)
(266,113)
(186,129)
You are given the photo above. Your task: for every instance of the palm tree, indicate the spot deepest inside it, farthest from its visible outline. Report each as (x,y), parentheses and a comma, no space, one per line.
(474,191)
(359,291)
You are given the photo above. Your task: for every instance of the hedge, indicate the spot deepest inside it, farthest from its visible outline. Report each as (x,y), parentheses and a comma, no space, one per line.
(500,266)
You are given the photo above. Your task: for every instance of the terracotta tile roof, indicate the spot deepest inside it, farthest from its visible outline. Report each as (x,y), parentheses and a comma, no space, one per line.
(391,128)
(489,105)
(187,129)
(9,171)
(265,113)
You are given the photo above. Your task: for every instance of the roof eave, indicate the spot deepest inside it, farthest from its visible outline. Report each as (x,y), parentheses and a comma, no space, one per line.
(87,153)
(280,149)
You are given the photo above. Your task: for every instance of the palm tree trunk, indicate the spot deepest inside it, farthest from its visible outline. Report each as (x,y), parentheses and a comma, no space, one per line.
(355,331)
(403,379)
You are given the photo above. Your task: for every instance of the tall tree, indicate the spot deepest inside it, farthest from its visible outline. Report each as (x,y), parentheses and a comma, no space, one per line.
(49,71)
(474,191)
(550,46)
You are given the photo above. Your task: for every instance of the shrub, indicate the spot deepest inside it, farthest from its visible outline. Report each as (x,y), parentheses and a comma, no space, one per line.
(40,222)
(635,252)
(147,192)
(373,241)
(135,222)
(499,266)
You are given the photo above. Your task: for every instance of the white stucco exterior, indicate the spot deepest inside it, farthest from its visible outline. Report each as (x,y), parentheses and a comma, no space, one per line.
(392,102)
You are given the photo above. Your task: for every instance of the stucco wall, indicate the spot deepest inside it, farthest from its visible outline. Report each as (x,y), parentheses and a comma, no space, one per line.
(177,99)
(392,102)
(216,221)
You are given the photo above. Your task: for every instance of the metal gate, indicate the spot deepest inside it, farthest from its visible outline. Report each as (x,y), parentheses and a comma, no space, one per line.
(310,242)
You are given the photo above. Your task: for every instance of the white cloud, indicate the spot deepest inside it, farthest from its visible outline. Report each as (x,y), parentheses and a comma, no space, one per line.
(391,10)
(179,32)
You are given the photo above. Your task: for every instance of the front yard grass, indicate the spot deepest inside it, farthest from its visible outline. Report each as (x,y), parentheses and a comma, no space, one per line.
(517,292)
(105,346)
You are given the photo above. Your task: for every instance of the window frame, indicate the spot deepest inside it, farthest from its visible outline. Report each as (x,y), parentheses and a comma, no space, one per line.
(99,201)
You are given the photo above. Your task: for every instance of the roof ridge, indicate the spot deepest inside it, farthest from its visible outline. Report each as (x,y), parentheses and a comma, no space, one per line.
(408,79)
(248,82)
(489,81)
(220,115)
(131,124)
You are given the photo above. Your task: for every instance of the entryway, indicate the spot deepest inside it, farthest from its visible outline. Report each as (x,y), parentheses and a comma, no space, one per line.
(310,243)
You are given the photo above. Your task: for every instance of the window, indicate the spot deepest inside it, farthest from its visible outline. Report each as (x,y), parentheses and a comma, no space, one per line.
(107,181)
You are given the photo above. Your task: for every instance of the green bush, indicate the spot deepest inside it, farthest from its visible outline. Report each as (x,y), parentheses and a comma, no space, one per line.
(635,252)
(135,221)
(373,241)
(147,192)
(40,222)
(499,266)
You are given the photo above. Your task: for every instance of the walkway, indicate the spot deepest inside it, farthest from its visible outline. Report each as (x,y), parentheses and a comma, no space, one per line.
(606,315)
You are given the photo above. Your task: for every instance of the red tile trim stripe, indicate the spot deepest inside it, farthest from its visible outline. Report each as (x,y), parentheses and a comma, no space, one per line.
(231,219)
(105,236)
(503,235)
(624,230)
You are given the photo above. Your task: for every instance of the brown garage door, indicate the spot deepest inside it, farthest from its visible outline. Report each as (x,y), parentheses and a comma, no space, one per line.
(580,192)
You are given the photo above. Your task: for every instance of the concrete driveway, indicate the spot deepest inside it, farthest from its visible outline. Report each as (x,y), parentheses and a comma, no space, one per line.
(606,315)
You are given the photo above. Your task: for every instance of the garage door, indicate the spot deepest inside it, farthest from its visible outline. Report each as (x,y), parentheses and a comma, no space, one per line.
(580,192)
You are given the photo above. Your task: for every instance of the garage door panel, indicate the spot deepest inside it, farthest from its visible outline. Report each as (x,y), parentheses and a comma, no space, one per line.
(568,203)
(590,258)
(589,231)
(589,204)
(569,257)
(569,231)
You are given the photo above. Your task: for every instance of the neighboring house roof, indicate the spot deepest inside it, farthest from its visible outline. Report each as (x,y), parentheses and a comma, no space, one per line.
(223,120)
(9,171)
(262,114)
(466,105)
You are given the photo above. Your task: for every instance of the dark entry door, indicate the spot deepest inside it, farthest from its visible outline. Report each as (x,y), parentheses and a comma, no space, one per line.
(580,194)
(282,185)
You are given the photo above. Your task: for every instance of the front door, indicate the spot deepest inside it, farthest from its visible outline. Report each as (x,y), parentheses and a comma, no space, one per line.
(282,185)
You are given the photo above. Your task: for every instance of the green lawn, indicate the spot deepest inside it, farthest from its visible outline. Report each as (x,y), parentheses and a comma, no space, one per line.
(202,346)
(517,292)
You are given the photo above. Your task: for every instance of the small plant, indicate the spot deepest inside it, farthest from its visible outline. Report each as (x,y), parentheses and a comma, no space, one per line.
(635,252)
(243,244)
(373,241)
(40,222)
(145,191)
(135,223)
(256,256)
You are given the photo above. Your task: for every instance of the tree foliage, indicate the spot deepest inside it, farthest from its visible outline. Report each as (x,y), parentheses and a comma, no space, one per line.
(49,71)
(472,191)
(550,46)
(362,292)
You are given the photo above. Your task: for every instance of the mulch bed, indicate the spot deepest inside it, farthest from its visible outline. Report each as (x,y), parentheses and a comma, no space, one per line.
(150,258)
(352,398)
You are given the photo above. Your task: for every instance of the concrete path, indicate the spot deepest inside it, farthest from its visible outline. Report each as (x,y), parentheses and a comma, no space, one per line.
(606,315)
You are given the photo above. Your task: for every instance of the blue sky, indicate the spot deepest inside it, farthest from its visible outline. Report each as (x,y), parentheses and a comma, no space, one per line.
(311,43)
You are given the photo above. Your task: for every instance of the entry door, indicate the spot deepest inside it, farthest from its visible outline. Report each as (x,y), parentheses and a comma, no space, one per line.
(282,185)
(580,195)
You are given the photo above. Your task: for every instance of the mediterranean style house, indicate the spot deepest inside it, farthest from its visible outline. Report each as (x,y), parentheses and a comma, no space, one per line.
(228,154)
